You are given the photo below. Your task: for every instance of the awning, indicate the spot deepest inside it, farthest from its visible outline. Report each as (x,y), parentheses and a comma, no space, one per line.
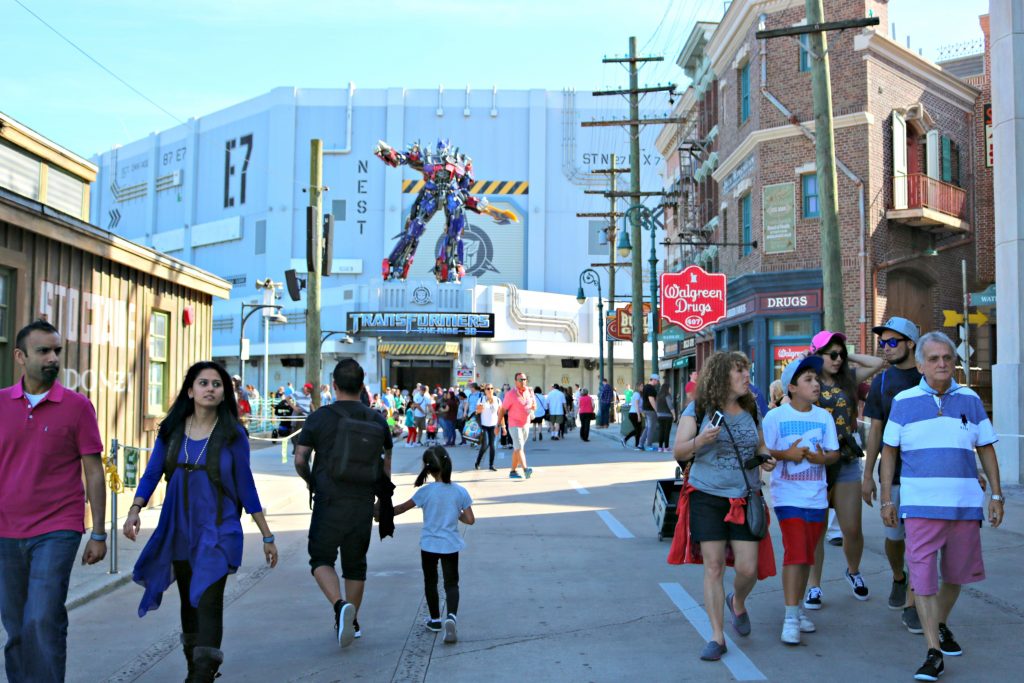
(418,348)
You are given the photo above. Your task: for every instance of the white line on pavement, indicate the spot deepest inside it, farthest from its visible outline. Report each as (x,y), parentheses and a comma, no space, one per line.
(579,489)
(738,663)
(614,524)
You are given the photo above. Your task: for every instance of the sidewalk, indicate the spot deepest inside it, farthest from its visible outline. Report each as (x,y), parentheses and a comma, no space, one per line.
(274,481)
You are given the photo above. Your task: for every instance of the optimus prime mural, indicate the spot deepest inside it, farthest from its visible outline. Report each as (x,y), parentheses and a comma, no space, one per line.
(448,176)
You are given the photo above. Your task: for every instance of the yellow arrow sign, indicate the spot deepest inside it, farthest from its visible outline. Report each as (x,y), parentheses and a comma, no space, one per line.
(952,318)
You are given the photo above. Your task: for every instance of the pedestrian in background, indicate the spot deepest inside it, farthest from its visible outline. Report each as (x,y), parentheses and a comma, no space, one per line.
(586,406)
(838,395)
(649,406)
(449,412)
(444,505)
(635,408)
(897,338)
(718,479)
(802,437)
(517,407)
(342,510)
(203,453)
(666,416)
(462,416)
(938,426)
(776,395)
(487,410)
(539,414)
(605,398)
(556,411)
(48,437)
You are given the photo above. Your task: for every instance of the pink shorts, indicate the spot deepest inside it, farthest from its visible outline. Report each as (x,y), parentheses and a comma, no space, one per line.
(960,543)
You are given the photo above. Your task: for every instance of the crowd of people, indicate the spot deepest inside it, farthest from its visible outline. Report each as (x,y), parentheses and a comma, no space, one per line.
(810,445)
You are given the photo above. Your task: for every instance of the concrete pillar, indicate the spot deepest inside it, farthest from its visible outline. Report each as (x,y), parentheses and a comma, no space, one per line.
(1008,118)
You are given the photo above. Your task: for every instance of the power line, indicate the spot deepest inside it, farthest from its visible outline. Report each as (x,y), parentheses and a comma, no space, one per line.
(94,61)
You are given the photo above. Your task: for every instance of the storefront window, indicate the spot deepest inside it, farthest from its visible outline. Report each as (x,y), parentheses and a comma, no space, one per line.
(156,395)
(792,327)
(790,338)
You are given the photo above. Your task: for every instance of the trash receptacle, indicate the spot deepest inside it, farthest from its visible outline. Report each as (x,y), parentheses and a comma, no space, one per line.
(666,500)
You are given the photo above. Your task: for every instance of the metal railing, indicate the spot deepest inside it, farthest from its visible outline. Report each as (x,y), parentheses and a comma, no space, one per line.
(923,191)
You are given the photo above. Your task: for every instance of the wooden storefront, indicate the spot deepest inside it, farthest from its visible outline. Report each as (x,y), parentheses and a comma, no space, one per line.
(132,320)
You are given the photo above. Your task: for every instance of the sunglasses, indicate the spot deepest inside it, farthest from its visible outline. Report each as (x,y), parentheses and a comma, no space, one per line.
(520,379)
(834,355)
(891,343)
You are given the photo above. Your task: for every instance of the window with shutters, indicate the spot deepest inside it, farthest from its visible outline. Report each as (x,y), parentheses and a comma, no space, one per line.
(809,193)
(805,53)
(745,93)
(745,225)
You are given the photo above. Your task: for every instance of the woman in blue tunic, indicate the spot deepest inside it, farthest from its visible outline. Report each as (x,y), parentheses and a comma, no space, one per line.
(202,451)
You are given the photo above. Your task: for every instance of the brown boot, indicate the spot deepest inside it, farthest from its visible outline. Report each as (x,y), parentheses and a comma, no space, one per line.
(188,644)
(207,661)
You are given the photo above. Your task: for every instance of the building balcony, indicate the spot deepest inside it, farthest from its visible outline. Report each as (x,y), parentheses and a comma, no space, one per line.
(921,201)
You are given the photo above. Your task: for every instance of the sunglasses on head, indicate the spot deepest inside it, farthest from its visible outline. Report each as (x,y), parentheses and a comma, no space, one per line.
(834,355)
(891,343)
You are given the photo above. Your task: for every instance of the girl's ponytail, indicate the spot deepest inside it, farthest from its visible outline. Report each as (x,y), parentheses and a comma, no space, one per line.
(435,461)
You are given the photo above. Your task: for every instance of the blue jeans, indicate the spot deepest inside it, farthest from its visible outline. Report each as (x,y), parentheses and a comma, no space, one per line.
(603,409)
(448,427)
(34,576)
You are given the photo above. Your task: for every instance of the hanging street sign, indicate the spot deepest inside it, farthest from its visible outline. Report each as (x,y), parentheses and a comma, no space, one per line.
(693,299)
(953,318)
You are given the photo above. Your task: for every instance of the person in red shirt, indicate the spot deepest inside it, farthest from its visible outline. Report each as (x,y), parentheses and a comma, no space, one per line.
(48,435)
(519,404)
(586,407)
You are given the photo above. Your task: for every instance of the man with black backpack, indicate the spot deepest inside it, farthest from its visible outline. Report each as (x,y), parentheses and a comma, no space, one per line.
(353,457)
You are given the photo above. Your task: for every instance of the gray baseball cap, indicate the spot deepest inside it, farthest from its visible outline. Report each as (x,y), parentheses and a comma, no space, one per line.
(899,326)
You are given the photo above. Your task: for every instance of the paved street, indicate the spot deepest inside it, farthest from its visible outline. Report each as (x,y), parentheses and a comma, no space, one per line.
(563,579)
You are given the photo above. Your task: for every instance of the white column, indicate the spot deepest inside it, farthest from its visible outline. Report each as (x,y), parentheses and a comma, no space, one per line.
(1007,21)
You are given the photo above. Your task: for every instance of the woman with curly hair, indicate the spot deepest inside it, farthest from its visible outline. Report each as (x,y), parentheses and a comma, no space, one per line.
(717,475)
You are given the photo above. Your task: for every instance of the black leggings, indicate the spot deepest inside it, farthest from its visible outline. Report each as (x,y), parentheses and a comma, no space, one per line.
(635,434)
(486,441)
(664,429)
(450,569)
(207,620)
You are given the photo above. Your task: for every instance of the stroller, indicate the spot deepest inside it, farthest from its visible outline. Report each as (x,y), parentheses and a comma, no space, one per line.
(431,439)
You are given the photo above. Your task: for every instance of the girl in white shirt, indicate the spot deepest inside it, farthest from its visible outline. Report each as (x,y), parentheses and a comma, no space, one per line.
(487,410)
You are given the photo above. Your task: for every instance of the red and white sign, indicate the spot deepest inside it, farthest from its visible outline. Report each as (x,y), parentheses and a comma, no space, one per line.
(789,353)
(693,299)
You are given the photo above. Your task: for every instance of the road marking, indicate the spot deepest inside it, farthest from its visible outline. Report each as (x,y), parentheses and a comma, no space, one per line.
(579,489)
(614,524)
(739,664)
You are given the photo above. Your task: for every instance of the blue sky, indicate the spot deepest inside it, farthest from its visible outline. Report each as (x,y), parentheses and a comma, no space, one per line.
(193,57)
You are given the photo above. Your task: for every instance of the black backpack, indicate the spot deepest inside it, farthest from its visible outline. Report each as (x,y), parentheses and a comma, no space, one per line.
(358,446)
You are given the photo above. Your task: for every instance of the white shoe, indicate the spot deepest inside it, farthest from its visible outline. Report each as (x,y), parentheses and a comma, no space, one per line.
(791,631)
(450,629)
(806,625)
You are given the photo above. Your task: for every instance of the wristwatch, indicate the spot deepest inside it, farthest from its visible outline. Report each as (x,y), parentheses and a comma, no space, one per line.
(997,497)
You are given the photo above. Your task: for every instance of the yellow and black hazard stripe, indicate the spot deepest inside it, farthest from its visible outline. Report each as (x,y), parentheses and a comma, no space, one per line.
(488,187)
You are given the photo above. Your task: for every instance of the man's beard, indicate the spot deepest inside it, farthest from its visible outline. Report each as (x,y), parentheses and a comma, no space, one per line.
(50,372)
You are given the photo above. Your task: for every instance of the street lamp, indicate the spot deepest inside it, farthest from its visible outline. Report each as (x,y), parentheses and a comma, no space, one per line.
(623,245)
(591,277)
(647,222)
(277,318)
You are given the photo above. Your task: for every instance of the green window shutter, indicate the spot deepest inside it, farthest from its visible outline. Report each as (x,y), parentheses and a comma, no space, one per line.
(745,217)
(947,160)
(805,55)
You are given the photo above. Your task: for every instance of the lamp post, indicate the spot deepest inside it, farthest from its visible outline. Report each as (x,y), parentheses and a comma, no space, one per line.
(647,222)
(241,331)
(591,277)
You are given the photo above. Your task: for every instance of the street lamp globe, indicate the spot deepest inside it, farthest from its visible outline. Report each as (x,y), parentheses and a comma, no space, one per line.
(581,298)
(623,246)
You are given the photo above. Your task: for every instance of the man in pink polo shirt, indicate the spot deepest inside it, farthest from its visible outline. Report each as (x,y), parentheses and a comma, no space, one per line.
(519,403)
(48,434)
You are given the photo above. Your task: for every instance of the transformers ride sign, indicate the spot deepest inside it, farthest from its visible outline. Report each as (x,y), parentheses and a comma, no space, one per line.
(448,176)
(693,299)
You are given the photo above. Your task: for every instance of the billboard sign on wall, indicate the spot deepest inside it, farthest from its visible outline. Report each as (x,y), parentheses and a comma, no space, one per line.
(779,218)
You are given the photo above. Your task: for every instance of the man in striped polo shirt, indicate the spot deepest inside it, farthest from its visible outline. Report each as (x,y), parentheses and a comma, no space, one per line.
(937,427)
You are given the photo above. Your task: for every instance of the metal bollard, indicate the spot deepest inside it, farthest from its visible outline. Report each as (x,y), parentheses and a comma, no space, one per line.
(113,512)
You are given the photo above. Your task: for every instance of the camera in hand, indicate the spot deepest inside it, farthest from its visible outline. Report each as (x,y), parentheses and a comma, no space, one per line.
(756,461)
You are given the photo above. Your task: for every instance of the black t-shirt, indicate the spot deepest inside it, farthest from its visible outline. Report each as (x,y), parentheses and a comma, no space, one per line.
(884,388)
(650,391)
(319,432)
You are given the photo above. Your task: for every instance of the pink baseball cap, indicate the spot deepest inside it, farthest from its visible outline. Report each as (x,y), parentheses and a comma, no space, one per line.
(824,338)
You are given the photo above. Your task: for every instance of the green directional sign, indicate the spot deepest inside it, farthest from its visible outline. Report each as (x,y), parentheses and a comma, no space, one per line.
(987,297)
(671,333)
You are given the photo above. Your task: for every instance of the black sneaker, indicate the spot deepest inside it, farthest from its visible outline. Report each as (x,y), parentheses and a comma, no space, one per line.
(433,625)
(359,631)
(932,667)
(898,594)
(912,621)
(947,643)
(856,581)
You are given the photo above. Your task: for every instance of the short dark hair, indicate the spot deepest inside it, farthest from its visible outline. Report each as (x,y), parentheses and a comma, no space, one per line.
(348,376)
(800,373)
(35,326)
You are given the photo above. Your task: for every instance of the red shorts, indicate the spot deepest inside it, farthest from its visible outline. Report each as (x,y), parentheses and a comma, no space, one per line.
(960,543)
(801,530)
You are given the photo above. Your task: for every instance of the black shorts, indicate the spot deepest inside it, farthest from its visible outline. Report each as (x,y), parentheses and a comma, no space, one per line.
(707,520)
(343,524)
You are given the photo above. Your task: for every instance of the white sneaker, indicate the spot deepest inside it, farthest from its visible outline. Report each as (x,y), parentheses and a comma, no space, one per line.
(806,625)
(791,631)
(450,629)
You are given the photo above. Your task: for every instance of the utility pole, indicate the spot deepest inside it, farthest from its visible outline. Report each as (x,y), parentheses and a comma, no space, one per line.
(824,149)
(316,183)
(633,124)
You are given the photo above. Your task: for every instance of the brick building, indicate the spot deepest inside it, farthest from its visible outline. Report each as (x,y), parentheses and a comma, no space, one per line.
(914,194)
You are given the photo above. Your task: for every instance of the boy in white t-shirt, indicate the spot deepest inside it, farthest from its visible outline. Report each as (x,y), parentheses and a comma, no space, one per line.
(802,437)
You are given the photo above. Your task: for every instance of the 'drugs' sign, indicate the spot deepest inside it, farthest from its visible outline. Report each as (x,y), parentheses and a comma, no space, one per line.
(693,299)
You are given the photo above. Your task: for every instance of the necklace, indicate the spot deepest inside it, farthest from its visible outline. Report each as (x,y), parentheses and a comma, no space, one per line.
(188,435)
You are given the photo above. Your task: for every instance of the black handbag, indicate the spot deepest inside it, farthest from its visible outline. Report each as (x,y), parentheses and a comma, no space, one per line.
(757,512)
